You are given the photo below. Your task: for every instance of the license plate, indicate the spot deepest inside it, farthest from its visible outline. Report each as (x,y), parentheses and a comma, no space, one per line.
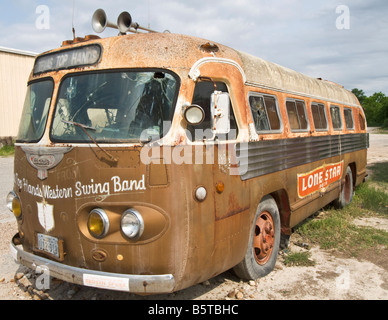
(48,244)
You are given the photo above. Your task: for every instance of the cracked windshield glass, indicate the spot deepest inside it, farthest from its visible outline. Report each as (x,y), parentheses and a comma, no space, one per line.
(35,111)
(113,107)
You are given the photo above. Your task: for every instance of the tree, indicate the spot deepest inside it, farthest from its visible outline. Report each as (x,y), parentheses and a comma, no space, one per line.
(360,94)
(375,106)
(375,109)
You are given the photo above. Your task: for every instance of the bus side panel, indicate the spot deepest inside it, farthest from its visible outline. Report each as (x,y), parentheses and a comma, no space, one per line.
(219,225)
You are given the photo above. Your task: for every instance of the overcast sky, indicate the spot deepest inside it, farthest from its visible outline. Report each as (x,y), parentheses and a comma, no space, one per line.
(345,41)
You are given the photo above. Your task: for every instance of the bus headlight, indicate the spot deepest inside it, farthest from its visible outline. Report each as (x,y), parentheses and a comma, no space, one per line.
(13,204)
(132,224)
(98,223)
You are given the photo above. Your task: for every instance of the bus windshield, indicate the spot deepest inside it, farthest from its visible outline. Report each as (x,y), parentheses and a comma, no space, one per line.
(114,107)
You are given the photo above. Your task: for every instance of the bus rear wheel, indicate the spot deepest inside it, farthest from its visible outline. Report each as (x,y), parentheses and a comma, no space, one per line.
(264,241)
(346,194)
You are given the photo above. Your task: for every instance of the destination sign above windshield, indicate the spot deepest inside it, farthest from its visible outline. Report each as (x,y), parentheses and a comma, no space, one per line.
(78,57)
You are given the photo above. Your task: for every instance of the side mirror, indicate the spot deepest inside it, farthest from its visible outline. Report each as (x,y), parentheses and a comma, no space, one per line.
(194,115)
(220,112)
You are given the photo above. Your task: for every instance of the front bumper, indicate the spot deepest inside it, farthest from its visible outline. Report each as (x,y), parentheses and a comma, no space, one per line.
(139,284)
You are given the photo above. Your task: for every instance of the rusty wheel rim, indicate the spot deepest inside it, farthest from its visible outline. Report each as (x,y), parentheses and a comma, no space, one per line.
(263,238)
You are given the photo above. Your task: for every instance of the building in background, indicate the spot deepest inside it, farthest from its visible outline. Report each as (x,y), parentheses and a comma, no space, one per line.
(15,68)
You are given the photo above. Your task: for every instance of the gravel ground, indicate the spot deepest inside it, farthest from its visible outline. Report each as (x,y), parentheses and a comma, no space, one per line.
(333,277)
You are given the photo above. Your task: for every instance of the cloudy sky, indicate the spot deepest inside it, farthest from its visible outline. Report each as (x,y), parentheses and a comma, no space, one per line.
(345,41)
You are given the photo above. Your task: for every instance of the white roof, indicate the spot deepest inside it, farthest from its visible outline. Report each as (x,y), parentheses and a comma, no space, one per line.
(272,76)
(20,52)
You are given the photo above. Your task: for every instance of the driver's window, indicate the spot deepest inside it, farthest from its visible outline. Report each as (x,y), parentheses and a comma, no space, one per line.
(202,97)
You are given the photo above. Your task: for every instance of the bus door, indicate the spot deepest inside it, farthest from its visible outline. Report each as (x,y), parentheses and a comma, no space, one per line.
(217,135)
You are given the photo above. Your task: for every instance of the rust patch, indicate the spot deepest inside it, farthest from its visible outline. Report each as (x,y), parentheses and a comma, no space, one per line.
(209,47)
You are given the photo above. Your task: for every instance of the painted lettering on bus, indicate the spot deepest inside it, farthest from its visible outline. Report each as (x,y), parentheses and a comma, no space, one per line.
(319,179)
(81,188)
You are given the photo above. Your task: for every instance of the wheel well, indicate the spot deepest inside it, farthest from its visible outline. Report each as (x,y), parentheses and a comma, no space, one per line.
(354,172)
(283,203)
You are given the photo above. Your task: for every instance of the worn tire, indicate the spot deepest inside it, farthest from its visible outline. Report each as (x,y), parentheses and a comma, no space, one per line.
(346,194)
(264,241)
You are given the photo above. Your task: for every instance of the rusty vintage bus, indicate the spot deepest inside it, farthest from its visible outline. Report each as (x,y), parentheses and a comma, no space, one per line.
(151,162)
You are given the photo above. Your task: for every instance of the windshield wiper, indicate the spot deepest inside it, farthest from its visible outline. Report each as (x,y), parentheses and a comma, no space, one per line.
(84,127)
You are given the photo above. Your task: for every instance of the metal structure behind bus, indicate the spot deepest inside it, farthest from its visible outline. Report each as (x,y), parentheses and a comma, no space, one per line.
(151,162)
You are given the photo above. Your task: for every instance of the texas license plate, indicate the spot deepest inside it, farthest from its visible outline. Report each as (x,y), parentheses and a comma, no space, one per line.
(48,244)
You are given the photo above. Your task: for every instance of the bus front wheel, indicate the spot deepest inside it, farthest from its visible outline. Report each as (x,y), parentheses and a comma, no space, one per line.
(264,241)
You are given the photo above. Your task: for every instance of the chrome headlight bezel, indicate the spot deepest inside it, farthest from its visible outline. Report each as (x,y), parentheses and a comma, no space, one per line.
(12,195)
(11,200)
(104,220)
(132,224)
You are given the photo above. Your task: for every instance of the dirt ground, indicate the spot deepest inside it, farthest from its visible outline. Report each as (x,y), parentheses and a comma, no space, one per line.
(333,276)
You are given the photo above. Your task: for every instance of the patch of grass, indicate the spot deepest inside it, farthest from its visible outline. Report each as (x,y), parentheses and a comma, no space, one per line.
(329,232)
(369,237)
(380,172)
(7,151)
(381,131)
(370,197)
(300,259)
(336,230)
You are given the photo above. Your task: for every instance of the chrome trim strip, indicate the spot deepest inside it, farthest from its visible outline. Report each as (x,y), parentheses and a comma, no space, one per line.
(194,72)
(264,157)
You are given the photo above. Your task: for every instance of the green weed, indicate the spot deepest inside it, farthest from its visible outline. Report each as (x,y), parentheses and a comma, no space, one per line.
(336,229)
(300,259)
(7,151)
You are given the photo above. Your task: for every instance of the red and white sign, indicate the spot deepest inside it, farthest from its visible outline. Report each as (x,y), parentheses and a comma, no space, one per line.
(106,282)
(319,179)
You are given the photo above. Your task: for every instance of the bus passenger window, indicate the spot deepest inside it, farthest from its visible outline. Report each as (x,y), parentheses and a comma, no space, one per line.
(265,113)
(335,113)
(362,122)
(349,119)
(202,97)
(319,116)
(297,115)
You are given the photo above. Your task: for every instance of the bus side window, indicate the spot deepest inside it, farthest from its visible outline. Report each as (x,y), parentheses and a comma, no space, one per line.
(335,113)
(319,116)
(362,122)
(202,97)
(296,111)
(265,113)
(349,119)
